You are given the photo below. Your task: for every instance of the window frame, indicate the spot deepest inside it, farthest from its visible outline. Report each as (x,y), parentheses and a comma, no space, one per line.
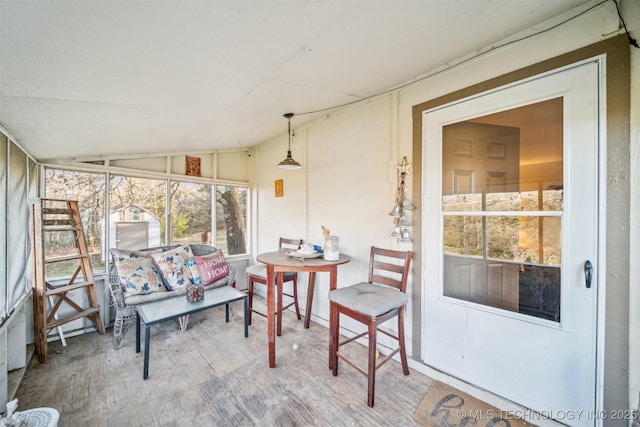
(168,178)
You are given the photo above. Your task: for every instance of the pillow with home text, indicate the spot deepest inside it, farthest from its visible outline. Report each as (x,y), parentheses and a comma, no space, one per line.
(212,267)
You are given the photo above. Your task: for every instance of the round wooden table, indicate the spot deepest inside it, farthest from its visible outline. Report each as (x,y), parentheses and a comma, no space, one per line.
(280,262)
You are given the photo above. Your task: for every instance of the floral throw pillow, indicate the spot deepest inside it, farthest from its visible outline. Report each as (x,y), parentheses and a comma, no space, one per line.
(137,273)
(212,267)
(184,251)
(171,266)
(194,277)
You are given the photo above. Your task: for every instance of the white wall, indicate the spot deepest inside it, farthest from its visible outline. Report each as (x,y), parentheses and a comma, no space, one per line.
(348,178)
(347,184)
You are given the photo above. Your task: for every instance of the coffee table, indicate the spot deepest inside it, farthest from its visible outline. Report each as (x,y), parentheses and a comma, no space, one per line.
(159,311)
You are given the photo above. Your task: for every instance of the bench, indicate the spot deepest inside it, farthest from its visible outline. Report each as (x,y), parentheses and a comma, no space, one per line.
(128,291)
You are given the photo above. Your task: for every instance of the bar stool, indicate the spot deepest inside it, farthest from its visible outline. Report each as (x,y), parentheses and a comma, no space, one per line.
(258,274)
(382,297)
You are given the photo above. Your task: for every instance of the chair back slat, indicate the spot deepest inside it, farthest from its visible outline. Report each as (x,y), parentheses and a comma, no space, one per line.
(285,243)
(385,280)
(395,268)
(389,267)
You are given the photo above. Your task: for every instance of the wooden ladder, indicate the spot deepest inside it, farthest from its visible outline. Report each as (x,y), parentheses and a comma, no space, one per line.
(59,218)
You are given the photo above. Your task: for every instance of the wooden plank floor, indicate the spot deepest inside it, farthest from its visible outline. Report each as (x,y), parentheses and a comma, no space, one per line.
(211,375)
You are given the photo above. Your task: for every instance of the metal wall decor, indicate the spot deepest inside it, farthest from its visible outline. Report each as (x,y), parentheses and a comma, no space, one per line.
(402,205)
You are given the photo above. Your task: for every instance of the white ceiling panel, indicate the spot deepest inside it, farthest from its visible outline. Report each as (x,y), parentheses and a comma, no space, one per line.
(106,78)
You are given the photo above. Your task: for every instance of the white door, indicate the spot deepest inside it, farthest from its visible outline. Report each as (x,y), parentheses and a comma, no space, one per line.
(510,221)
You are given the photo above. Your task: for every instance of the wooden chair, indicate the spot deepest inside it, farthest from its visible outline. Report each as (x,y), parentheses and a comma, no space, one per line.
(372,303)
(258,274)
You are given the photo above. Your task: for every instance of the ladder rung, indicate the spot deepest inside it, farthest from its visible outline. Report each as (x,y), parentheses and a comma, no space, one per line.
(56,211)
(60,228)
(78,315)
(58,221)
(52,199)
(67,288)
(65,258)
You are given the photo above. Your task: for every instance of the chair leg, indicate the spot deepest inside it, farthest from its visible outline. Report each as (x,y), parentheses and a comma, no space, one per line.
(334,336)
(279,286)
(118,330)
(250,292)
(125,317)
(183,321)
(295,296)
(372,363)
(310,290)
(403,350)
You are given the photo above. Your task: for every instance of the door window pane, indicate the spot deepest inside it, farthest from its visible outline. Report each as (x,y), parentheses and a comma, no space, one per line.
(507,170)
(462,202)
(525,239)
(464,235)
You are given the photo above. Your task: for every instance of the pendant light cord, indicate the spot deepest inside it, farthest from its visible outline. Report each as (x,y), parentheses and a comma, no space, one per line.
(288,117)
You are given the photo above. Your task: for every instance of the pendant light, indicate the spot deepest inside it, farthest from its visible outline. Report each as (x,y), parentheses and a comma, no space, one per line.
(289,163)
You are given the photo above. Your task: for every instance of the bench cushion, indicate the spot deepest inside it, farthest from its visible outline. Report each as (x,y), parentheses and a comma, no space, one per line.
(141,299)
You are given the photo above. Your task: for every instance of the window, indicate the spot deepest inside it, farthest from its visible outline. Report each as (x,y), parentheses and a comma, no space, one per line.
(502,205)
(191,213)
(89,190)
(197,212)
(231,219)
(137,217)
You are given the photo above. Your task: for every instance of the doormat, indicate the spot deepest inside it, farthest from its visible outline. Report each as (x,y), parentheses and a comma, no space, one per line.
(445,406)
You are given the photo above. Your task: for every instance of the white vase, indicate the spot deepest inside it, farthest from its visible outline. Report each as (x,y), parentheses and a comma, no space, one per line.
(331,248)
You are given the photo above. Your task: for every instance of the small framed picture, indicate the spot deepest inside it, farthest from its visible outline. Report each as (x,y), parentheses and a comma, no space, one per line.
(279,187)
(193,166)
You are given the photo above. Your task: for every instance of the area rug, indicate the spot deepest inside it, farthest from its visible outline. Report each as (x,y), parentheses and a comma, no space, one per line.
(445,406)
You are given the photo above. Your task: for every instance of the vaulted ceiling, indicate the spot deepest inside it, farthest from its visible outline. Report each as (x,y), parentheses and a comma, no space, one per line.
(84,79)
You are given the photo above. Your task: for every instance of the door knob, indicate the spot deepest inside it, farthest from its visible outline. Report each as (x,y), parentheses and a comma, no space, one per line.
(588,273)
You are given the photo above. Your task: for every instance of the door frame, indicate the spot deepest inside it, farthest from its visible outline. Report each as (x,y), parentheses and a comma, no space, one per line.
(585,333)
(615,134)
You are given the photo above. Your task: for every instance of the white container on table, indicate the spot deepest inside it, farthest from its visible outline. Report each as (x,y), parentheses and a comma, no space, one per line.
(331,248)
